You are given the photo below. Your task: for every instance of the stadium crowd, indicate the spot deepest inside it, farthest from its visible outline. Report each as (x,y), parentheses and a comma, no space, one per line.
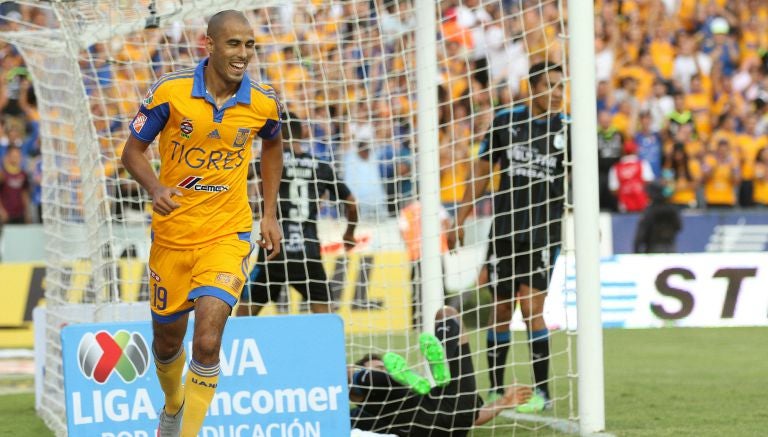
(682,89)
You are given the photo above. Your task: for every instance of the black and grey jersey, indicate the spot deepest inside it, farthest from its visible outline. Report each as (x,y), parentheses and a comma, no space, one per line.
(531,154)
(305,180)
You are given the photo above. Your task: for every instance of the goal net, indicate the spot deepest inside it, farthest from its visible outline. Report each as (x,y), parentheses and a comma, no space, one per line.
(346,70)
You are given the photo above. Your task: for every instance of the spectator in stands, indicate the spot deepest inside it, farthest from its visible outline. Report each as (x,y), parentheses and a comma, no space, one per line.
(679,116)
(627,180)
(659,225)
(689,61)
(749,144)
(761,178)
(660,105)
(722,46)
(361,174)
(649,143)
(609,150)
(681,176)
(722,173)
(14,189)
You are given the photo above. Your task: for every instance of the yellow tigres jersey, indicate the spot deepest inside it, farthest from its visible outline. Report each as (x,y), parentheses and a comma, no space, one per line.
(205,153)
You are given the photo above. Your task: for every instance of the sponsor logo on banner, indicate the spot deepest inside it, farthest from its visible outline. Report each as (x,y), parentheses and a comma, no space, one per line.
(139,121)
(265,386)
(241,137)
(692,290)
(101,355)
(193,183)
(186,128)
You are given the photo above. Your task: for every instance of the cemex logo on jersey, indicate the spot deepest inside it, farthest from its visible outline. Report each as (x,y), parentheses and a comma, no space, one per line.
(101,354)
(193,183)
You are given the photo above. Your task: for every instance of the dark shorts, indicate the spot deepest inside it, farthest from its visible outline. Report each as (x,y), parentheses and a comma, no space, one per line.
(511,264)
(267,280)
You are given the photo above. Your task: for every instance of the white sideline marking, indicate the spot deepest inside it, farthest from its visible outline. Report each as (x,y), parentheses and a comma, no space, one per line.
(560,425)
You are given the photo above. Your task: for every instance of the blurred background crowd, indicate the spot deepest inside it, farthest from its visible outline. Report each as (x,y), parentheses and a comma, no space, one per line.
(682,93)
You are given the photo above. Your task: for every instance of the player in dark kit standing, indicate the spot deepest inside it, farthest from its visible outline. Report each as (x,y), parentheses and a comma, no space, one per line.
(529,146)
(304,181)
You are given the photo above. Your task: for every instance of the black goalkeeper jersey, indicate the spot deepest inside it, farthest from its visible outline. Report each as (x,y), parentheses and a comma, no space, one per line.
(528,205)
(304,181)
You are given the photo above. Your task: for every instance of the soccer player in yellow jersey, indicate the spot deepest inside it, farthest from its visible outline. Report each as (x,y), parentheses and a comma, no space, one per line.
(206,119)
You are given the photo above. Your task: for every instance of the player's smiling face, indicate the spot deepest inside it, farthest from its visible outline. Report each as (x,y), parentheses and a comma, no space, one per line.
(231,50)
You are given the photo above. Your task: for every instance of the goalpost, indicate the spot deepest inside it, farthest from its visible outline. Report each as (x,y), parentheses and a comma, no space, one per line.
(398,113)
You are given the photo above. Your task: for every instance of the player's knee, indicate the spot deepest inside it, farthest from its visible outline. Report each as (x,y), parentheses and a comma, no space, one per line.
(503,311)
(446,312)
(206,347)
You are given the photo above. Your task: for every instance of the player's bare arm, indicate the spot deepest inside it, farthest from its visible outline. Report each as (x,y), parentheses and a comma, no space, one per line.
(474,186)
(135,161)
(351,212)
(271,170)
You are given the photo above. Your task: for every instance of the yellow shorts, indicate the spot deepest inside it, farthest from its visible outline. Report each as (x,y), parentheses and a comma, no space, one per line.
(178,277)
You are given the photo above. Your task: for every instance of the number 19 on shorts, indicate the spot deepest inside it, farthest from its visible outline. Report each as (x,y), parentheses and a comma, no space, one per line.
(159,297)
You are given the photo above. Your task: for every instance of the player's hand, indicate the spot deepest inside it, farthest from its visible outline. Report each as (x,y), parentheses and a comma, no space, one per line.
(162,200)
(270,236)
(3,216)
(349,240)
(455,237)
(514,396)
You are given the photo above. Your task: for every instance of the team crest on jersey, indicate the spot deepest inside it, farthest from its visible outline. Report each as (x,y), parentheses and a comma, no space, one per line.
(186,128)
(139,121)
(242,136)
(148,98)
(559,141)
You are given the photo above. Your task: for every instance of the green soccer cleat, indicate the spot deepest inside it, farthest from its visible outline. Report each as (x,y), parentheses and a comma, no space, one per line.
(433,351)
(536,404)
(398,369)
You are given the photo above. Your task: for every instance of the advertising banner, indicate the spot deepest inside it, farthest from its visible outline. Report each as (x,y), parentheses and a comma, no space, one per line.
(693,290)
(279,376)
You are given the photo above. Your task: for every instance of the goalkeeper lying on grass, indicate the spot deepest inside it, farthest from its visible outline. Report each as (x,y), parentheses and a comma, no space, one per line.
(393,399)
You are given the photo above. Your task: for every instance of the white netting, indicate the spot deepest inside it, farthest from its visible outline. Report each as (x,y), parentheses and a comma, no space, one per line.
(347,70)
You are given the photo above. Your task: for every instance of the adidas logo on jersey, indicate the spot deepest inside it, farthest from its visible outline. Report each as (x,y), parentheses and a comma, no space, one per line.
(214,134)
(193,183)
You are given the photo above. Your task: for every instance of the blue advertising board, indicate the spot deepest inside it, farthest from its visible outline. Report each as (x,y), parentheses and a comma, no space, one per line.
(703,231)
(282,375)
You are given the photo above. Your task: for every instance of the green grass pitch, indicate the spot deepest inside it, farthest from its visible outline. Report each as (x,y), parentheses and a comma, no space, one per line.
(664,382)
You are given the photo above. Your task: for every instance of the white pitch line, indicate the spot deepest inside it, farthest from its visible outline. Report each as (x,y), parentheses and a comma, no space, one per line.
(561,425)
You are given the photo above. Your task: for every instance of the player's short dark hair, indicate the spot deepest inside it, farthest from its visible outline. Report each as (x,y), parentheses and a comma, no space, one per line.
(367,358)
(291,126)
(219,19)
(539,70)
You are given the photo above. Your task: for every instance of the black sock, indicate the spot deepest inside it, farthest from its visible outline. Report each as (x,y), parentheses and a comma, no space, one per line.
(540,359)
(448,332)
(498,348)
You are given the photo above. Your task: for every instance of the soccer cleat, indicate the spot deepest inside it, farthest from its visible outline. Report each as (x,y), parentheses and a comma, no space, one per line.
(433,351)
(536,404)
(170,426)
(398,369)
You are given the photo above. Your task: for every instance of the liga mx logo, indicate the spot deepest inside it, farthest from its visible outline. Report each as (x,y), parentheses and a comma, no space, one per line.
(102,354)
